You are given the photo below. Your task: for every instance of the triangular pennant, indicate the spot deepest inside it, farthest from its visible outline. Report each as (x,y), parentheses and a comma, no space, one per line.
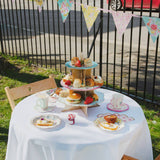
(121,21)
(153,26)
(90,14)
(65,7)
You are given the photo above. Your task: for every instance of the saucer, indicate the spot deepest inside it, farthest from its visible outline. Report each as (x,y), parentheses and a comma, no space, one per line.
(39,109)
(124,107)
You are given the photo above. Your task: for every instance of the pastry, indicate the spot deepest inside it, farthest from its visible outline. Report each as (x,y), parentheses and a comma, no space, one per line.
(74,60)
(74,98)
(87,62)
(58,91)
(77,83)
(98,81)
(64,93)
(89,82)
(111,118)
(95,97)
(44,122)
(68,77)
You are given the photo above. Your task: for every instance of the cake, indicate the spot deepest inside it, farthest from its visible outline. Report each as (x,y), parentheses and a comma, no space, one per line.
(111,118)
(44,122)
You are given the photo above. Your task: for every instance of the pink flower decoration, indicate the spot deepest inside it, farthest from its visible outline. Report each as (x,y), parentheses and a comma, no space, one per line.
(154,27)
(148,24)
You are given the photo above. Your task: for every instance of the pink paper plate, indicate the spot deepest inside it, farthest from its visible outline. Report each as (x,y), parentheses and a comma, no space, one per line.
(79,89)
(124,107)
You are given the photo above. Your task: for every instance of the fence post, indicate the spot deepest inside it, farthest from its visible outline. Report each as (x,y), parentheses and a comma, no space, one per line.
(101,40)
(1,39)
(2,49)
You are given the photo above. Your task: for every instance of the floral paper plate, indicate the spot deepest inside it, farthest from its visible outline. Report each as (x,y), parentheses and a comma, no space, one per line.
(104,125)
(55,119)
(69,65)
(80,89)
(123,117)
(123,107)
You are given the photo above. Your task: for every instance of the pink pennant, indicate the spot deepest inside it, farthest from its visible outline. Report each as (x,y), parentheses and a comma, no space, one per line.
(39,8)
(13,1)
(121,21)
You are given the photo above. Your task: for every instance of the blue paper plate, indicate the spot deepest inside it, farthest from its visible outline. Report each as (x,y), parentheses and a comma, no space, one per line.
(69,65)
(100,99)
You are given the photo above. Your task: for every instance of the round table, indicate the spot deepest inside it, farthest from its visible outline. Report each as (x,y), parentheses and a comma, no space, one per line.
(81,141)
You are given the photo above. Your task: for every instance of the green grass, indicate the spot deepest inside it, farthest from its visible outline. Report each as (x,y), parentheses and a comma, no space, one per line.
(19,73)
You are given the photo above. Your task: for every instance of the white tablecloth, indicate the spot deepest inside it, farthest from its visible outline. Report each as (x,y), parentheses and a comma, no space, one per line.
(82,141)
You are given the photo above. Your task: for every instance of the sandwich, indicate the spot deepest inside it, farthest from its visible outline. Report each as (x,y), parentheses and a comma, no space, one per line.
(74,98)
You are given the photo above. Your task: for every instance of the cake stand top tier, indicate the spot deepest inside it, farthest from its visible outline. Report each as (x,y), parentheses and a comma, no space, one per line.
(69,65)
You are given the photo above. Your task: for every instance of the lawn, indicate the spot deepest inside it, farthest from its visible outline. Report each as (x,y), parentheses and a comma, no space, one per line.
(18,72)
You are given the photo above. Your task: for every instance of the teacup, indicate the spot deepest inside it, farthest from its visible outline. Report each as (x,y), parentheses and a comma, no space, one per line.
(42,102)
(117,100)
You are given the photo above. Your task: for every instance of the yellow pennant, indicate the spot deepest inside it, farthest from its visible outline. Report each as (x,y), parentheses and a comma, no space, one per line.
(90,14)
(39,2)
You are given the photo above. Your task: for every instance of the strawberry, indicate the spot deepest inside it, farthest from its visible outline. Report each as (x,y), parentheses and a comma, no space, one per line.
(68,83)
(88,100)
(78,63)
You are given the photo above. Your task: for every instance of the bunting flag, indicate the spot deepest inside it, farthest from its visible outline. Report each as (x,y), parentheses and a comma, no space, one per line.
(121,21)
(90,14)
(153,26)
(65,7)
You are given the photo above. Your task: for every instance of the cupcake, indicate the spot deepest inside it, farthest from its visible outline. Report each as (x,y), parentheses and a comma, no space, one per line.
(98,81)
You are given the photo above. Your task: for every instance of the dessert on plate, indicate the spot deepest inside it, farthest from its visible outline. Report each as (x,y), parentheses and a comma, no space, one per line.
(68,77)
(83,62)
(64,93)
(109,122)
(44,122)
(87,62)
(109,126)
(112,118)
(98,81)
(89,82)
(58,90)
(74,60)
(77,83)
(74,98)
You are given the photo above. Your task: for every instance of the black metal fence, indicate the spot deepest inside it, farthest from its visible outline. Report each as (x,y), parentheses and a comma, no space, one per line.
(129,64)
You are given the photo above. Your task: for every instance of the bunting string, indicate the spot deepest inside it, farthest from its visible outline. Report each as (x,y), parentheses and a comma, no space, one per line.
(121,19)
